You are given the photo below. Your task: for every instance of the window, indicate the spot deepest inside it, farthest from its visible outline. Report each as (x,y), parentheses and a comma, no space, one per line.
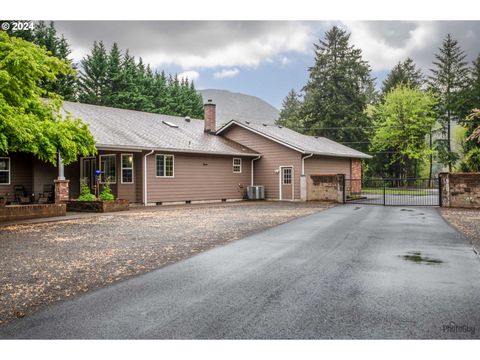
(127,168)
(164,165)
(108,169)
(287,176)
(237,165)
(4,171)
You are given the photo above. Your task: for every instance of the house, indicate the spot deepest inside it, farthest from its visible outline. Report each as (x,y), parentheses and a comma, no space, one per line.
(157,159)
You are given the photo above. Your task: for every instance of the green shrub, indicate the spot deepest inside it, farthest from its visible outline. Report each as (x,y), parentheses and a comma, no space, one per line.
(106,194)
(85,194)
(472,160)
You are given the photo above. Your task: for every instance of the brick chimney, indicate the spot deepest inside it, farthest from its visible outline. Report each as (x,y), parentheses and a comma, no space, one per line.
(209,110)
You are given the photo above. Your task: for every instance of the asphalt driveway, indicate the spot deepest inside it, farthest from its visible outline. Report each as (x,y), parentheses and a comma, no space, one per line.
(353,271)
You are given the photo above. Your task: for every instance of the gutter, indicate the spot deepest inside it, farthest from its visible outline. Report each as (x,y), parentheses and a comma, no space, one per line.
(303,163)
(145,194)
(251,168)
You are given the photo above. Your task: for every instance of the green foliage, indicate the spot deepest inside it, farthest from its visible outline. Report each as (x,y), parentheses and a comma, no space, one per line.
(337,92)
(402,122)
(85,194)
(46,36)
(471,161)
(448,81)
(117,79)
(290,113)
(106,194)
(30,119)
(404,73)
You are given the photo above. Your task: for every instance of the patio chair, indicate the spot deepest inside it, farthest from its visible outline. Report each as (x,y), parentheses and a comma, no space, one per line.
(48,194)
(20,196)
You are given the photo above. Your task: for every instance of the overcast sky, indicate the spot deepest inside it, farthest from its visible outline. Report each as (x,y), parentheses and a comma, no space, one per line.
(268,58)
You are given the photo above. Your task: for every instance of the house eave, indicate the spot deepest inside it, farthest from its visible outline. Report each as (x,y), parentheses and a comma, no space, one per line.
(105,147)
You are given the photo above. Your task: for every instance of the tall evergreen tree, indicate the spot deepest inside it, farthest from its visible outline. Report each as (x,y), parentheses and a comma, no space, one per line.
(336,92)
(448,80)
(93,76)
(113,75)
(290,113)
(403,73)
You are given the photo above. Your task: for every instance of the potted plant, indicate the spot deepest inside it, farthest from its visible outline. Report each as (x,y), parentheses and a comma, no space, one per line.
(3,200)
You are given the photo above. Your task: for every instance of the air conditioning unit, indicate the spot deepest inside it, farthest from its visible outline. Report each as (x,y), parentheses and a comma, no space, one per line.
(256,192)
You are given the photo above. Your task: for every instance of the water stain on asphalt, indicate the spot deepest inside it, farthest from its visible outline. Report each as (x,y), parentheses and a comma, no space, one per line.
(418,258)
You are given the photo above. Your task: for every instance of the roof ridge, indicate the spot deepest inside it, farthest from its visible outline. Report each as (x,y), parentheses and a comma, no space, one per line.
(130,110)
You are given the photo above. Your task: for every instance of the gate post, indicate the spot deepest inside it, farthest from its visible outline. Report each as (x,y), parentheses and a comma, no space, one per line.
(384,197)
(439,190)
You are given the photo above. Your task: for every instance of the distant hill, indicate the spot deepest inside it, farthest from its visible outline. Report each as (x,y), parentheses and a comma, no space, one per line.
(240,107)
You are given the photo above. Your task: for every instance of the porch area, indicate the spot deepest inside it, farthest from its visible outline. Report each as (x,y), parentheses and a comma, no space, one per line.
(27,180)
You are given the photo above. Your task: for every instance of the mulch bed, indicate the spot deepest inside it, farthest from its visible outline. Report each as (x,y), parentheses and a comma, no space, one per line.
(48,262)
(467,221)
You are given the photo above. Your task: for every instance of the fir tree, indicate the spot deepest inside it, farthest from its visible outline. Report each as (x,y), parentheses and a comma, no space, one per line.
(336,93)
(448,80)
(93,77)
(403,73)
(289,115)
(113,74)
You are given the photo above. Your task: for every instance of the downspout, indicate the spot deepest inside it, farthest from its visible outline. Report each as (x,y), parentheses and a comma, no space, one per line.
(251,168)
(303,163)
(145,196)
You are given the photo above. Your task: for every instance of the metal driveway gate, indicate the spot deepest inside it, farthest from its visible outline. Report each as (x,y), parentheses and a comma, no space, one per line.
(406,192)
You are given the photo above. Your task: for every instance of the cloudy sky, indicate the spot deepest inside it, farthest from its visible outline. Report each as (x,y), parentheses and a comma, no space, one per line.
(267,58)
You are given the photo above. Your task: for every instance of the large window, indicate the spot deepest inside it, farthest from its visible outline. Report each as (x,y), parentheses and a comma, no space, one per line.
(4,171)
(237,165)
(127,168)
(165,166)
(108,169)
(287,176)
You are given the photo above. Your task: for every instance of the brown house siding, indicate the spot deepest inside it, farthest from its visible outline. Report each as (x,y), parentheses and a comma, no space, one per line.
(131,192)
(317,165)
(20,174)
(197,177)
(273,156)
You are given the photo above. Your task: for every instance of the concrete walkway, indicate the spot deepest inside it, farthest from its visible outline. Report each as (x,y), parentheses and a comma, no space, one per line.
(351,271)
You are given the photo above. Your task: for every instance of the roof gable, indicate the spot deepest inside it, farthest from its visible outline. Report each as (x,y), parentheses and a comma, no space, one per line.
(302,143)
(129,129)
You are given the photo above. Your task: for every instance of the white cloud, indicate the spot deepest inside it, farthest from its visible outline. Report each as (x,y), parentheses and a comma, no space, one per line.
(384,43)
(195,44)
(285,61)
(226,73)
(191,75)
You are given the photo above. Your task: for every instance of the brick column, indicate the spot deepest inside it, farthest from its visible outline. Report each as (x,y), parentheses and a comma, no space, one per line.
(61,191)
(356,175)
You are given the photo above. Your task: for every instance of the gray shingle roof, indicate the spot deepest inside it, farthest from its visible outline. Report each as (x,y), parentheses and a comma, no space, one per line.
(241,107)
(119,128)
(303,143)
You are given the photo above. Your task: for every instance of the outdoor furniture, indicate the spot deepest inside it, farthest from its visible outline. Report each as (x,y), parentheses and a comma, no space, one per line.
(20,196)
(48,194)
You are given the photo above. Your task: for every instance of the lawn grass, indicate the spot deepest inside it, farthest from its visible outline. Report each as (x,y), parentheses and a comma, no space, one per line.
(398,191)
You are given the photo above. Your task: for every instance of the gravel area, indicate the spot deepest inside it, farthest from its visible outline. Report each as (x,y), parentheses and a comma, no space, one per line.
(49,262)
(466,221)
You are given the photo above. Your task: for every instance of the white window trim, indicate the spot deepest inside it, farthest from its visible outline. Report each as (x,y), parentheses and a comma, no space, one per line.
(101,170)
(9,171)
(283,175)
(164,164)
(280,182)
(233,165)
(126,168)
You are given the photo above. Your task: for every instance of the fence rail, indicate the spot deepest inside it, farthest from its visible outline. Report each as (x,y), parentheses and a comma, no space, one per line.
(392,191)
